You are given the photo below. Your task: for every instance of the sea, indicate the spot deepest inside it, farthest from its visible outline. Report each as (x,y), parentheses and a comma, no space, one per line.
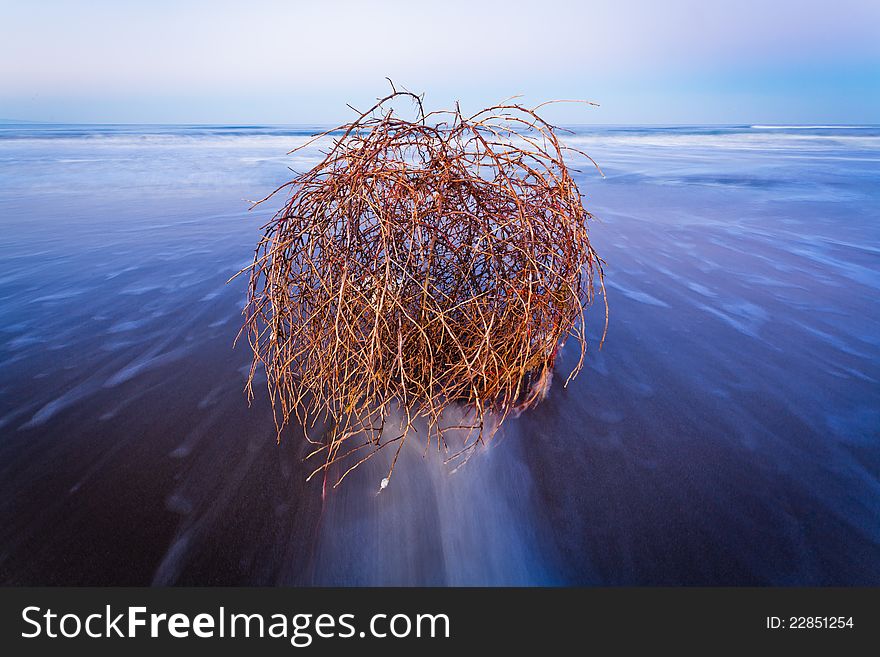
(727,432)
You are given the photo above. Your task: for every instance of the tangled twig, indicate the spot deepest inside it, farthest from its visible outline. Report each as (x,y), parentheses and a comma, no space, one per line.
(420,264)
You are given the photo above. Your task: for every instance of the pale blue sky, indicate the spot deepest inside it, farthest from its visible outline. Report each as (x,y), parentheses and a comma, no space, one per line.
(268,61)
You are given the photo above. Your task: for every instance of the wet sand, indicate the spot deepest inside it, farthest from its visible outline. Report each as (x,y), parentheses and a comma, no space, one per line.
(727,433)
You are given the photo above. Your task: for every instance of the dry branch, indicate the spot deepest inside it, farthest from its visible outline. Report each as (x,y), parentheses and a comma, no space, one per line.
(420,264)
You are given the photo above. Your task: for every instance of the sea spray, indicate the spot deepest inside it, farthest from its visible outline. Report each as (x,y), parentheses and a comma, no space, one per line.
(477,524)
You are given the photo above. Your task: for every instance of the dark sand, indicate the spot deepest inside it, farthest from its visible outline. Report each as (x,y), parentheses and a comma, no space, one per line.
(726,434)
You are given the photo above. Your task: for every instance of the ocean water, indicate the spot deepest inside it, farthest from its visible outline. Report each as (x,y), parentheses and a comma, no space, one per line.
(727,432)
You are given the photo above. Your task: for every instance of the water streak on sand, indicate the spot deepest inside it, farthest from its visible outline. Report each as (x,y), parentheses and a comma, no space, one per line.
(726,434)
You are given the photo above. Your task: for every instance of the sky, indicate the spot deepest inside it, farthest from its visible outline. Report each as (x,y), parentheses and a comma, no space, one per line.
(273,61)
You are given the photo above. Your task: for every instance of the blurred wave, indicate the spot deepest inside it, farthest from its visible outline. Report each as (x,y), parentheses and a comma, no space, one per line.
(727,433)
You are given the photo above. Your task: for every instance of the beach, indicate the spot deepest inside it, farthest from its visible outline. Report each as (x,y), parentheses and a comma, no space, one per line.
(726,433)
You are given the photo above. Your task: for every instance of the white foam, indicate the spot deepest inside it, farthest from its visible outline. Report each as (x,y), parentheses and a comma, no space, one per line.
(811,127)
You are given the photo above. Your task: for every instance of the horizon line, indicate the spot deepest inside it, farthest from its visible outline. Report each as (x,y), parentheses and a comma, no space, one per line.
(248,124)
